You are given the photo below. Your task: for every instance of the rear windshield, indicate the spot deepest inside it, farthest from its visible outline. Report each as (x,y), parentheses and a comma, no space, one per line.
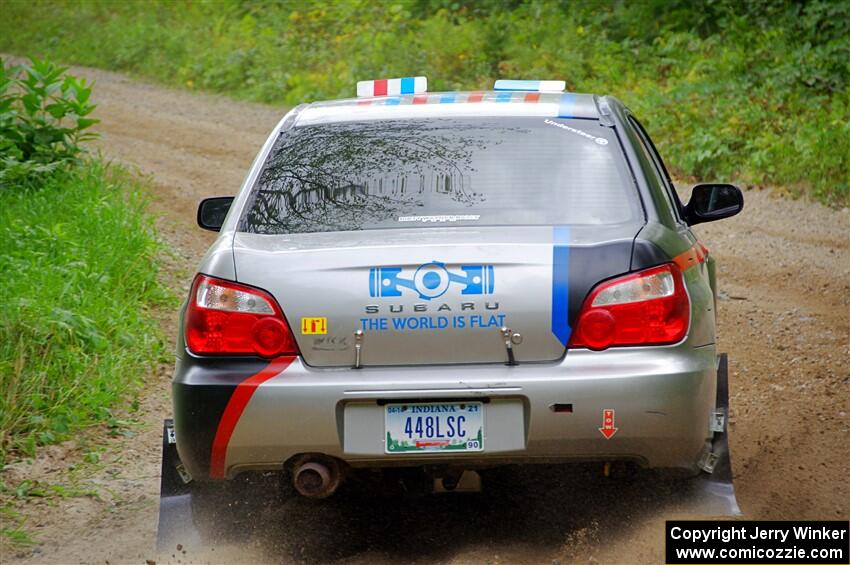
(437,172)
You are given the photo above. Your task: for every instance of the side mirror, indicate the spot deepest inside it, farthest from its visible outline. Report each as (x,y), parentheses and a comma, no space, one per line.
(212,211)
(711,202)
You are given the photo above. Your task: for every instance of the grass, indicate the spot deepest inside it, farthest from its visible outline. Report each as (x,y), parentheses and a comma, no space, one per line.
(14,533)
(80,284)
(757,92)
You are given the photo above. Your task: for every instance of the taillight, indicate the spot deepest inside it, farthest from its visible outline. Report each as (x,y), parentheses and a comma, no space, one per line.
(226,318)
(649,307)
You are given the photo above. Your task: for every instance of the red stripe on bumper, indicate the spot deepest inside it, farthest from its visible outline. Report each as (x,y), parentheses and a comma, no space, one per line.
(235,406)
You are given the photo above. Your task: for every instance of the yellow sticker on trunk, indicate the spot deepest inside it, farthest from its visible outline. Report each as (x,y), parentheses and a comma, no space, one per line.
(314,326)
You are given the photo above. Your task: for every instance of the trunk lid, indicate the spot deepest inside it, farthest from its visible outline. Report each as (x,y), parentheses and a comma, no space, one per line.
(432,295)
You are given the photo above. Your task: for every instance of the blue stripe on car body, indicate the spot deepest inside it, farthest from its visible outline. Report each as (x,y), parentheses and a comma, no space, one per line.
(561,283)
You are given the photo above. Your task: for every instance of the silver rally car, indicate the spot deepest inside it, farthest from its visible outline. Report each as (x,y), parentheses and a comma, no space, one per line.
(454,280)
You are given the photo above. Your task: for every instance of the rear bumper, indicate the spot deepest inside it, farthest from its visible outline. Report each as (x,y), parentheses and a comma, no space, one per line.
(662,397)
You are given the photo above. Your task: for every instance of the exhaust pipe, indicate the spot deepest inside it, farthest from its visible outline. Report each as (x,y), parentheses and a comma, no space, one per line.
(316,477)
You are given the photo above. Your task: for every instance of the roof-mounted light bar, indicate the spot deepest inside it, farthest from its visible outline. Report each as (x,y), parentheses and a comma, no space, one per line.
(392,86)
(531,85)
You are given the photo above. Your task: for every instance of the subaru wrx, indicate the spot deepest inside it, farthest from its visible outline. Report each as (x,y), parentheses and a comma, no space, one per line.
(452,281)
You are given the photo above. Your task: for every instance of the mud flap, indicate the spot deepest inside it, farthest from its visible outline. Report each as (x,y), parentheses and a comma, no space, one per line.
(176,524)
(714,491)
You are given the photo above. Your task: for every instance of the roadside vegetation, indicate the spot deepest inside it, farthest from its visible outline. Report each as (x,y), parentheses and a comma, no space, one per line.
(757,92)
(78,258)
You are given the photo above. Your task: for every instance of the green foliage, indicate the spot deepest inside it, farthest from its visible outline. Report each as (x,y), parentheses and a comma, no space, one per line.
(79,280)
(42,120)
(756,91)
(12,530)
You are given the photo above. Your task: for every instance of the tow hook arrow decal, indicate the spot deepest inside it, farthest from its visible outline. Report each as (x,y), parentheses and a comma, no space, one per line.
(608,430)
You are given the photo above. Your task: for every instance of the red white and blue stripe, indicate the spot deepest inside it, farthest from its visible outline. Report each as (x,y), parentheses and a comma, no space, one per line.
(427,104)
(392,86)
(565,101)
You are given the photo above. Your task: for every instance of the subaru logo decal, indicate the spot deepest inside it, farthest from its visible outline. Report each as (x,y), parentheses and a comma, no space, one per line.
(431,280)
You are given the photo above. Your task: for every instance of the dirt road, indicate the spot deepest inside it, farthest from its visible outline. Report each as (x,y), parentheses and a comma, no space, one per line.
(784,319)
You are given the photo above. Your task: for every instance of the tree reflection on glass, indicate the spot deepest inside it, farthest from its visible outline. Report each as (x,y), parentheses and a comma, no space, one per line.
(346,176)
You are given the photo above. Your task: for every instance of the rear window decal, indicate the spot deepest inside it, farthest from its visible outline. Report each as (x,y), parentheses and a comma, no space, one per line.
(598,140)
(441,218)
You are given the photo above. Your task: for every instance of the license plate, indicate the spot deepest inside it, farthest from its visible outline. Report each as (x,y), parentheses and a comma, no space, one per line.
(451,426)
